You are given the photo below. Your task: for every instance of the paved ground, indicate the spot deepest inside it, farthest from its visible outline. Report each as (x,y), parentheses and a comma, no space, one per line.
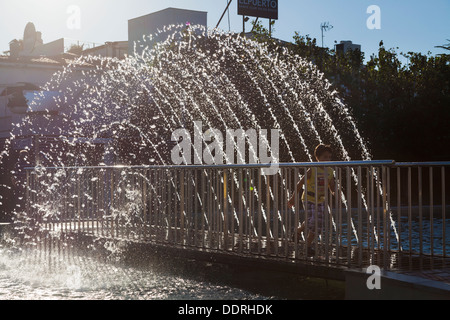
(441,275)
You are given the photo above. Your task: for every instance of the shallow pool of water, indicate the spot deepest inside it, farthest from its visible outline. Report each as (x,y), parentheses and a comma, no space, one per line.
(40,275)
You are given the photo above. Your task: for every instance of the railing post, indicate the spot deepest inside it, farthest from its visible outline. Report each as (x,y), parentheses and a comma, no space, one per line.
(419,178)
(399,210)
(325,223)
(349,217)
(225,209)
(360,222)
(430,172)
(260,207)
(385,218)
(444,235)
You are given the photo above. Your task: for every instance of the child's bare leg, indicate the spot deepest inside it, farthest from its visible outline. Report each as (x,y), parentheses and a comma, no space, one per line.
(300,230)
(310,238)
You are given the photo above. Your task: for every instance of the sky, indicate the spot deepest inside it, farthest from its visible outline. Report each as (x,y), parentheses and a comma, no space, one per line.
(404,25)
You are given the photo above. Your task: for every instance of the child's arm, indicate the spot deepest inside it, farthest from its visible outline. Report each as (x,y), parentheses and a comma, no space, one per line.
(299,188)
(333,191)
(331,185)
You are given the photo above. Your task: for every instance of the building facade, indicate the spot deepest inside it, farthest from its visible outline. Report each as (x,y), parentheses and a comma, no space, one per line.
(140,28)
(345,46)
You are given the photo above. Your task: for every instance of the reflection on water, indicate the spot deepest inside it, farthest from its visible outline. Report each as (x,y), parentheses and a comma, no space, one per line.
(39,275)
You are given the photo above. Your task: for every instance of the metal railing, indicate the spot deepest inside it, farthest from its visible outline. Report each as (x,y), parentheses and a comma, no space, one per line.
(380,212)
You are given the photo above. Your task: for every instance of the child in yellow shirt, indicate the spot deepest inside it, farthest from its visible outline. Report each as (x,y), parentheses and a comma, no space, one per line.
(315,204)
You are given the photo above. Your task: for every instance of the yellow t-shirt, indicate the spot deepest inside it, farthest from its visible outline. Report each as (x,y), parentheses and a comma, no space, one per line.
(311,184)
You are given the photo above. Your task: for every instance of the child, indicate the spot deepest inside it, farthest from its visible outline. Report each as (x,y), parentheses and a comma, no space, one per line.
(315,204)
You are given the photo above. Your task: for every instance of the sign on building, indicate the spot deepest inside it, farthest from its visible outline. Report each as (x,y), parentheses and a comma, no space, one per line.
(258,8)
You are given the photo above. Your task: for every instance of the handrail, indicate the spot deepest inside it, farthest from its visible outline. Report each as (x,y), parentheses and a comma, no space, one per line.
(424,164)
(238,166)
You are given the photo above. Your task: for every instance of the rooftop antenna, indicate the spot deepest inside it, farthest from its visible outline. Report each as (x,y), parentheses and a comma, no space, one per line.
(326,26)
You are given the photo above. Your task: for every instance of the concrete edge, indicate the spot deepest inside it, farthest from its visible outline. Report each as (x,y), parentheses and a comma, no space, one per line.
(393,286)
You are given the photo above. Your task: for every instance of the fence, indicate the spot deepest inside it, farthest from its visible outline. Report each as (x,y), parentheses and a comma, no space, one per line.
(380,211)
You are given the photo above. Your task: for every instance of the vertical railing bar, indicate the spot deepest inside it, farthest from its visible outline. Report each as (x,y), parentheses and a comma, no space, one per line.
(299,202)
(78,202)
(338,210)
(160,205)
(195,196)
(378,206)
(296,212)
(444,228)
(304,202)
(163,226)
(154,207)
(419,177)
(162,215)
(28,199)
(275,213)
(211,219)
(251,235)
(180,212)
(113,201)
(216,210)
(186,215)
(176,204)
(162,211)
(349,214)
(85,206)
(399,211)
(190,214)
(374,195)
(125,222)
(388,208)
(65,196)
(325,223)
(287,223)
(156,231)
(409,211)
(370,209)
(315,213)
(95,181)
(268,215)
(260,217)
(204,207)
(189,206)
(119,202)
(430,173)
(241,210)
(145,205)
(129,181)
(166,223)
(232,208)
(385,183)
(360,222)
(225,209)
(95,201)
(120,224)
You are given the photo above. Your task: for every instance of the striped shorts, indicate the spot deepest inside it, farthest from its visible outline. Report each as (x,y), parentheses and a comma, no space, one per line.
(315,212)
